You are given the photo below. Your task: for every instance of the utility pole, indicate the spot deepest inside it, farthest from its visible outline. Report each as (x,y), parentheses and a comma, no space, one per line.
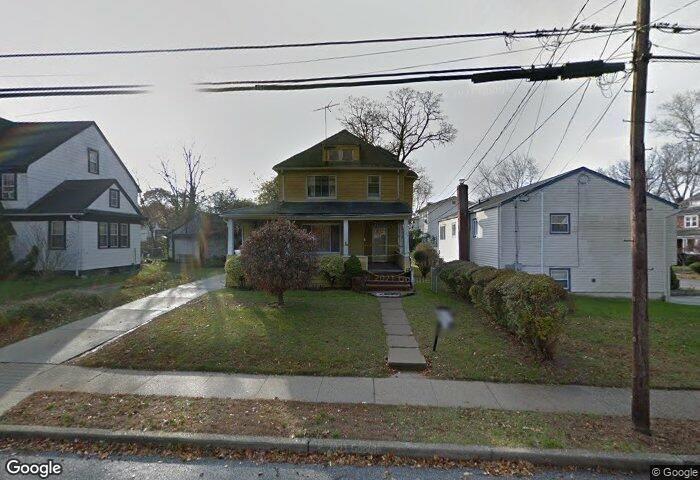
(638,203)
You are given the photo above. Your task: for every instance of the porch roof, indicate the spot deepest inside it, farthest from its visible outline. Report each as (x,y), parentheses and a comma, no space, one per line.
(334,209)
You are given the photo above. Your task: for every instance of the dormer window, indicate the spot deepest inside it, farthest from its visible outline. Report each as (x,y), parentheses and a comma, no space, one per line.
(342,154)
(93,161)
(114,198)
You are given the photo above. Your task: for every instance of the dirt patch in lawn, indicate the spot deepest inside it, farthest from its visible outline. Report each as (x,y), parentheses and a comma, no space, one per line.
(369,422)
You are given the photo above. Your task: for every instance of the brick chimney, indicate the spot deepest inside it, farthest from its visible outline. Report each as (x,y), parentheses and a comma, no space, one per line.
(463,220)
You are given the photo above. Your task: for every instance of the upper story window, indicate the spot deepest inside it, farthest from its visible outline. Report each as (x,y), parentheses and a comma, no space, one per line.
(57,235)
(93,161)
(320,186)
(9,186)
(442,232)
(690,221)
(342,154)
(559,223)
(114,198)
(374,187)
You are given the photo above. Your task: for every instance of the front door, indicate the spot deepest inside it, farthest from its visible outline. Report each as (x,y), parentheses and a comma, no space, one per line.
(380,236)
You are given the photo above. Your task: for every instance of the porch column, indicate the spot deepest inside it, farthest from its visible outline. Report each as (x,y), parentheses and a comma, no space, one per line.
(346,242)
(406,246)
(229,247)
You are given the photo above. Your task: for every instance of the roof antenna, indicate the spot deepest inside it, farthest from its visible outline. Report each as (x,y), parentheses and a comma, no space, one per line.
(326,109)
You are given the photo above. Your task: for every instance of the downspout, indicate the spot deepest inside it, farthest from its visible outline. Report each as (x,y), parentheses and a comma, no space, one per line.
(79,261)
(542,230)
(517,253)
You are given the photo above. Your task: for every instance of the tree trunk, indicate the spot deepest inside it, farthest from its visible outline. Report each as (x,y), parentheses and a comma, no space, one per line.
(280,299)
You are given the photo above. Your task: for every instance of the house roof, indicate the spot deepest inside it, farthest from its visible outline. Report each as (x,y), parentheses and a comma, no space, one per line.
(201,223)
(371,156)
(312,209)
(23,143)
(434,205)
(507,197)
(690,211)
(73,197)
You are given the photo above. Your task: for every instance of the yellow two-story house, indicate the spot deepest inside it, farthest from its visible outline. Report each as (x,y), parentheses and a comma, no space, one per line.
(356,198)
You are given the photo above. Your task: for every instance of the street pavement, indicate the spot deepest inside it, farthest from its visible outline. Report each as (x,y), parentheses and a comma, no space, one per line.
(148,468)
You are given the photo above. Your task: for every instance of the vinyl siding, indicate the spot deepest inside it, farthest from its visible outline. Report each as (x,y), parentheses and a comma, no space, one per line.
(94,258)
(483,250)
(102,203)
(598,249)
(449,247)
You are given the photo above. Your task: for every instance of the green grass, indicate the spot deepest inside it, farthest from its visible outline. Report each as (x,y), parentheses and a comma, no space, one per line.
(595,347)
(28,287)
(47,303)
(332,332)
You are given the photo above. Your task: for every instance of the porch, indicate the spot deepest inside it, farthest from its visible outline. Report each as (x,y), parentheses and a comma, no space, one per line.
(380,244)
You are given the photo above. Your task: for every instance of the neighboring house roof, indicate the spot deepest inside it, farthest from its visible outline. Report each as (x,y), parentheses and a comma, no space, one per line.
(433,205)
(690,211)
(201,223)
(74,197)
(371,156)
(311,209)
(507,197)
(23,143)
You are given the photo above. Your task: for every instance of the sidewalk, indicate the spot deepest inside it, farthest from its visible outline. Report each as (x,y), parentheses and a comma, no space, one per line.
(399,390)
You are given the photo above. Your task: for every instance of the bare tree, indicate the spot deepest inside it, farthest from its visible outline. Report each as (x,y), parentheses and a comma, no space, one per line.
(681,167)
(48,261)
(184,197)
(405,122)
(682,115)
(620,171)
(515,172)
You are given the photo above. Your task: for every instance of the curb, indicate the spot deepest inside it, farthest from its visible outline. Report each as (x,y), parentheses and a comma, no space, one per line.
(578,458)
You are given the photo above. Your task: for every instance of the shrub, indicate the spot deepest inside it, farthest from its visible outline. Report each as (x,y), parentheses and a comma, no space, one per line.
(28,263)
(695,266)
(234,272)
(675,283)
(149,274)
(535,307)
(332,268)
(479,279)
(426,257)
(5,252)
(492,301)
(353,267)
(278,257)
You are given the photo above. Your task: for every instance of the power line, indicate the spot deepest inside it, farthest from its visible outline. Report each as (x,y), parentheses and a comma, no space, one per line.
(70,93)
(538,33)
(675,49)
(675,58)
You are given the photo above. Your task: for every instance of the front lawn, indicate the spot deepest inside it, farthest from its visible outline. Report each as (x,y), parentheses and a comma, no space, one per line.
(51,302)
(466,426)
(333,332)
(595,347)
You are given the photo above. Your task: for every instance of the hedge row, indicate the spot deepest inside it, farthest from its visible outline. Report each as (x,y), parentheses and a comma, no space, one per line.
(532,307)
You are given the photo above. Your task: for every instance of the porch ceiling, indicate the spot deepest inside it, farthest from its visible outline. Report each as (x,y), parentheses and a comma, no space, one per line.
(324,210)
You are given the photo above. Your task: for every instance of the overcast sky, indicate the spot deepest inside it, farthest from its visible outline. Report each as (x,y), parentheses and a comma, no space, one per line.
(242,135)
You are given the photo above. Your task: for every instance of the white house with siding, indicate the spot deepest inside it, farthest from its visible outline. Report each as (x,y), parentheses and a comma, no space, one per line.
(574,227)
(66,191)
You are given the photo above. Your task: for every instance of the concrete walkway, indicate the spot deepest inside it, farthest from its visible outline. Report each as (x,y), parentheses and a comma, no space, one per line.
(68,341)
(18,380)
(404,353)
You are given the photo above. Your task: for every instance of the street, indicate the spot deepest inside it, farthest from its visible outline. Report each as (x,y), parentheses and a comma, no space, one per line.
(79,468)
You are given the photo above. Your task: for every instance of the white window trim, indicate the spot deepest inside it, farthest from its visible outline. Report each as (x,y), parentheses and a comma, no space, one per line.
(690,221)
(442,232)
(335,181)
(568,276)
(568,223)
(97,163)
(372,197)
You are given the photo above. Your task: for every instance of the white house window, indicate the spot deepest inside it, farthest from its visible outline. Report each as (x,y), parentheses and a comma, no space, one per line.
(454,229)
(690,221)
(320,186)
(374,187)
(327,236)
(57,235)
(562,276)
(123,235)
(442,232)
(559,223)
(102,235)
(93,161)
(113,198)
(9,186)
(113,235)
(475,228)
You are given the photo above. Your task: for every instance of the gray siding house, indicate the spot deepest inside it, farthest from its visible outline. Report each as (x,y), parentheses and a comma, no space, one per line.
(66,191)
(574,227)
(426,219)
(200,239)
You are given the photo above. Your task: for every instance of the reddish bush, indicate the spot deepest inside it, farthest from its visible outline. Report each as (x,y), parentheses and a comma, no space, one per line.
(278,257)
